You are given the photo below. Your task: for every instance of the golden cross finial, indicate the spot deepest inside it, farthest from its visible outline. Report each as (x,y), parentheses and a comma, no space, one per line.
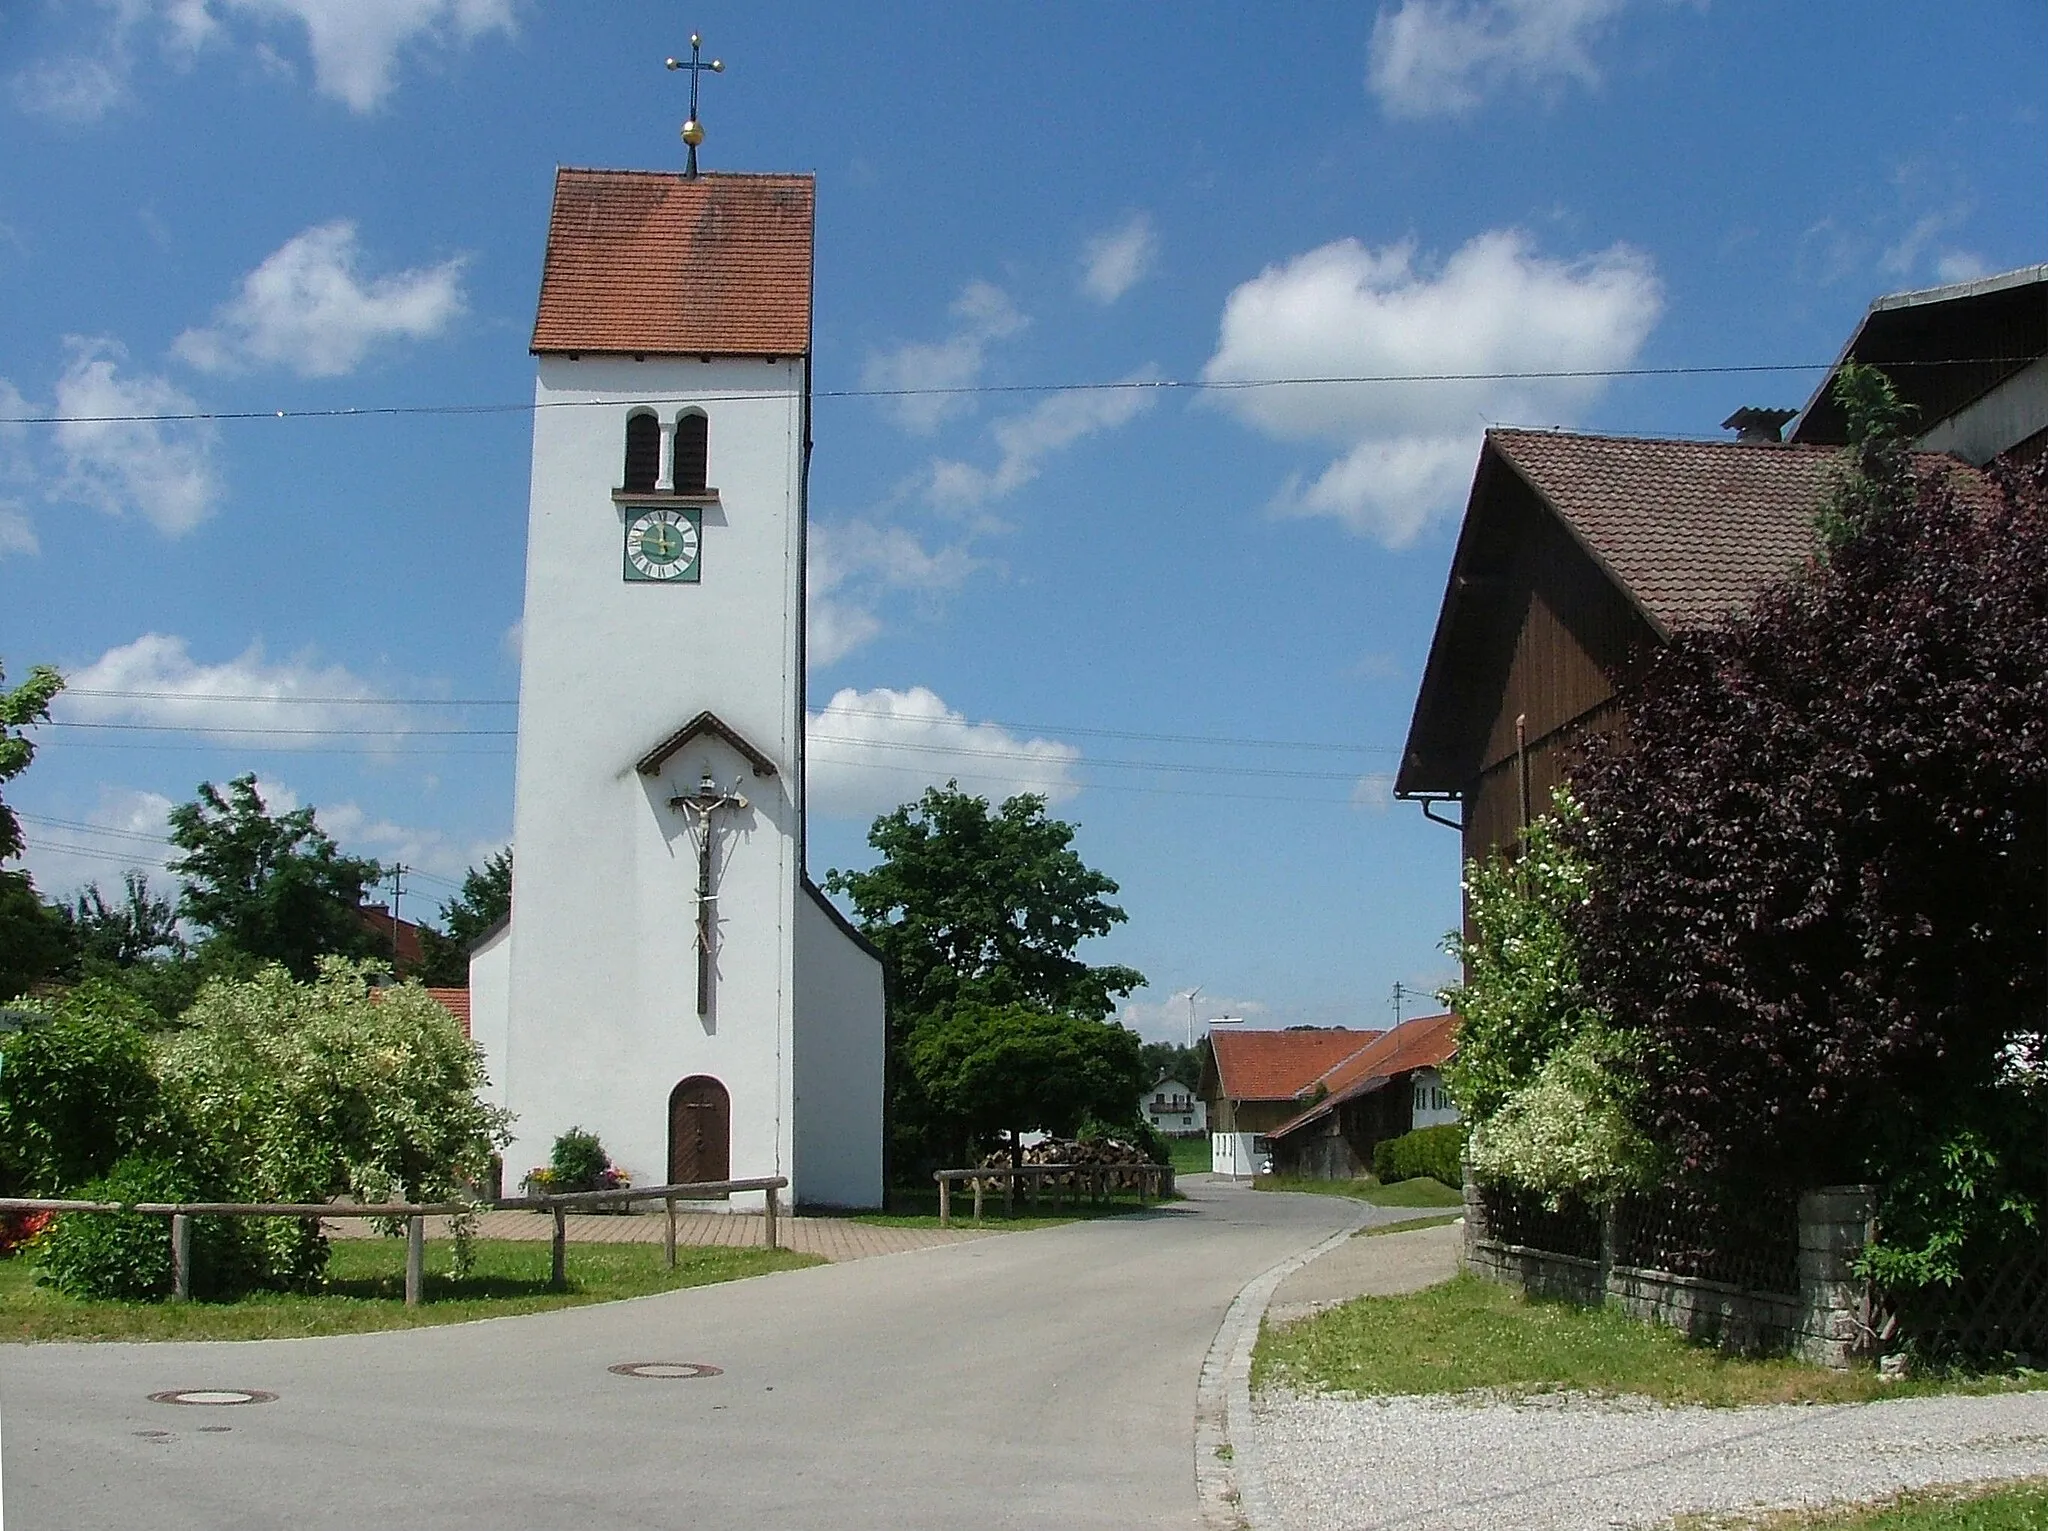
(693,130)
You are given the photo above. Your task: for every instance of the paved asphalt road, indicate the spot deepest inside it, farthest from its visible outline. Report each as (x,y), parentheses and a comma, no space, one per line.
(1041,1379)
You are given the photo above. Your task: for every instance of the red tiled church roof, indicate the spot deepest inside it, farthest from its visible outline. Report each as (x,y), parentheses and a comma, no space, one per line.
(1279,1065)
(649,261)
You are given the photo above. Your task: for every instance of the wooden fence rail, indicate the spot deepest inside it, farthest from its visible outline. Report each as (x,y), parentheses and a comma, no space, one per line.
(181,1214)
(668,1195)
(1100,1179)
(415,1215)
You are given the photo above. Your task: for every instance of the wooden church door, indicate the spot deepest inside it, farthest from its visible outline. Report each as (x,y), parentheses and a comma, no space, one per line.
(699,1132)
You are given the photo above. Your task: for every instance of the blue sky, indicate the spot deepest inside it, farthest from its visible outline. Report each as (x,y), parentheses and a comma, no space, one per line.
(1195,617)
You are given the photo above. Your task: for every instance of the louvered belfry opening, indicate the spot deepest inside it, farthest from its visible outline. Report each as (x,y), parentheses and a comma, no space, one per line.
(643,453)
(693,454)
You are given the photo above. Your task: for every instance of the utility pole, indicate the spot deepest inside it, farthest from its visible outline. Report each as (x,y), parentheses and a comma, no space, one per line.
(1401,992)
(398,871)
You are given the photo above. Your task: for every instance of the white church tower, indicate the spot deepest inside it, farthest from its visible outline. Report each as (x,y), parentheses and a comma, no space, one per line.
(670,978)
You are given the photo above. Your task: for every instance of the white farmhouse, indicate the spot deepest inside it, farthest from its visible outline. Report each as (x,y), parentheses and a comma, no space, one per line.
(1174,1109)
(670,978)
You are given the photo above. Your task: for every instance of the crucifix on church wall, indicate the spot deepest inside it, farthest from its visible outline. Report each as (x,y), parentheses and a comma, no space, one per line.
(699,808)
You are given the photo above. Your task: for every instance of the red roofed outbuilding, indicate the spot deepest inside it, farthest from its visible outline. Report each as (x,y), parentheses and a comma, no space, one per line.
(1254,1080)
(1392,1085)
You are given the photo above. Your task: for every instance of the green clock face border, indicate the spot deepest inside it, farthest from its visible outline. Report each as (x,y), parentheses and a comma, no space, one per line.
(665,546)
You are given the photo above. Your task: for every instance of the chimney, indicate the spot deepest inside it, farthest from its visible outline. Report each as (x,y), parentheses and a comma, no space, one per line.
(1753,424)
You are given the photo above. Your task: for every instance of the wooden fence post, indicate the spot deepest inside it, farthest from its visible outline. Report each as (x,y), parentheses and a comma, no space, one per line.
(668,1248)
(771,1219)
(558,1277)
(1037,1185)
(945,1202)
(415,1259)
(181,1257)
(1010,1194)
(978,1184)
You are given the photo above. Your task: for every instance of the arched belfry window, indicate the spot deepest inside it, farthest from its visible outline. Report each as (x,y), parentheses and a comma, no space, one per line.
(643,453)
(693,453)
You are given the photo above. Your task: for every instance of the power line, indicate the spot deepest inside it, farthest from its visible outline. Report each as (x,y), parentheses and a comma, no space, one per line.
(1221,740)
(1121,385)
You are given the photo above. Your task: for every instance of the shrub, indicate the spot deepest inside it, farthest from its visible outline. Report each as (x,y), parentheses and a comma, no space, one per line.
(126,1257)
(578,1162)
(1434,1152)
(76,1093)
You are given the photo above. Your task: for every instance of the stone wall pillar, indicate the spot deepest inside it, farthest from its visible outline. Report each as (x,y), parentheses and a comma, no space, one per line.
(1475,1217)
(1835,1224)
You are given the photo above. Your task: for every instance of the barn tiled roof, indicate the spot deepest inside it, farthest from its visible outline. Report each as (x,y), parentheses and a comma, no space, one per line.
(650,261)
(1691,529)
(1424,1042)
(1279,1065)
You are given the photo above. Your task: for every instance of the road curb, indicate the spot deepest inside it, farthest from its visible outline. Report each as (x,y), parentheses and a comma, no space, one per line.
(1228,1483)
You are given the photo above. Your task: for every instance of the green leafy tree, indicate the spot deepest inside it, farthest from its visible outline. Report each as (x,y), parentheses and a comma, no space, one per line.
(973,905)
(77,1091)
(272,886)
(485,899)
(136,928)
(33,940)
(1543,1081)
(989,1069)
(313,1090)
(1171,1060)
(27,703)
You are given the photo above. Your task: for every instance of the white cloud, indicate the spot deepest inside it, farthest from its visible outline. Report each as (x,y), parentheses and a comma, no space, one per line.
(74,90)
(306,308)
(356,44)
(982,315)
(432,851)
(1166,1020)
(1440,58)
(158,469)
(852,564)
(127,829)
(1407,448)
(161,683)
(1116,260)
(1024,441)
(869,751)
(17,532)
(1960,266)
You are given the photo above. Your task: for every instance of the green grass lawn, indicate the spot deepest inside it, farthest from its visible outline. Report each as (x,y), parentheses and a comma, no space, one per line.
(1410,1224)
(2019,1506)
(365,1290)
(918,1207)
(1402,1193)
(1190,1155)
(1470,1334)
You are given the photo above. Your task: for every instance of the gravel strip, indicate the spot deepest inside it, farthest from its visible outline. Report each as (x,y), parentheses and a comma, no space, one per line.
(1574,1462)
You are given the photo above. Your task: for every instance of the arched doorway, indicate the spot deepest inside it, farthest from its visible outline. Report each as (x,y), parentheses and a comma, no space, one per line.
(699,1132)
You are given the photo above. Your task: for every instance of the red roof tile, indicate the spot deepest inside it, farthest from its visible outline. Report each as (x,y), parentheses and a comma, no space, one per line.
(649,261)
(1279,1065)
(1425,1042)
(456,1003)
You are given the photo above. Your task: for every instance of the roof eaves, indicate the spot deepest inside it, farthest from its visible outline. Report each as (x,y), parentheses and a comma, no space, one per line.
(706,722)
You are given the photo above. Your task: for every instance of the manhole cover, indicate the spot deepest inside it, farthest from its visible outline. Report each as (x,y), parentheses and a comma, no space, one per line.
(213,1397)
(666,1371)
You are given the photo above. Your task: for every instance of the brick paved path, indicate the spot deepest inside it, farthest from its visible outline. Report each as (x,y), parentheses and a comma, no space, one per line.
(836,1238)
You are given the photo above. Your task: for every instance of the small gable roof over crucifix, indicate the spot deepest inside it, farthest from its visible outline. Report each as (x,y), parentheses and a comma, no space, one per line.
(706,722)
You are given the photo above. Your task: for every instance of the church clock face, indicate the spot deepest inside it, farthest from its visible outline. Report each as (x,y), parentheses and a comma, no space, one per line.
(661,545)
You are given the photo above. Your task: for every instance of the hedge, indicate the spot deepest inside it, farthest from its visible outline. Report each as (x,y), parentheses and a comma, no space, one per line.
(1437,1152)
